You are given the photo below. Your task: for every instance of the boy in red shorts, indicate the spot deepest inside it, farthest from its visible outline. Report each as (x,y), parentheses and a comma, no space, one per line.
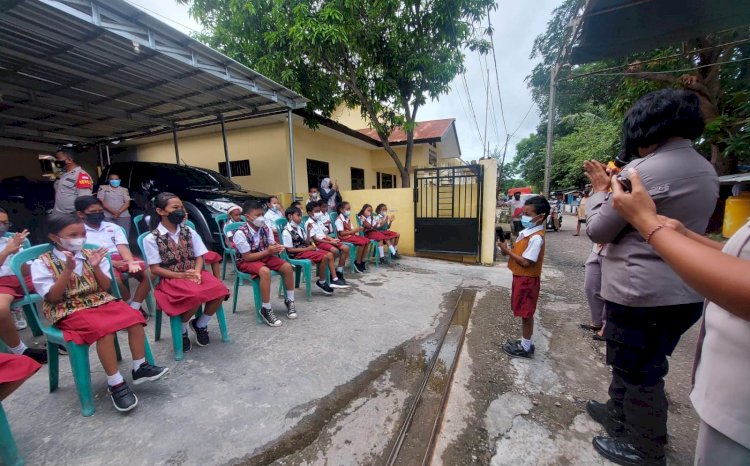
(257,254)
(525,262)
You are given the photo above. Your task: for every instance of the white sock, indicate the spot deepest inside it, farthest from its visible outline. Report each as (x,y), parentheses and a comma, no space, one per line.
(381,251)
(19,349)
(392,249)
(321,281)
(202,321)
(526,344)
(116,379)
(339,269)
(290,295)
(137,363)
(266,306)
(135,305)
(184,327)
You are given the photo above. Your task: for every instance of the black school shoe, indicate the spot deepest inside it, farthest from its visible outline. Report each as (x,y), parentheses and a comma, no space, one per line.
(515,350)
(186,345)
(359,268)
(340,276)
(291,310)
(620,451)
(599,413)
(324,286)
(122,397)
(338,283)
(148,373)
(201,334)
(38,355)
(270,318)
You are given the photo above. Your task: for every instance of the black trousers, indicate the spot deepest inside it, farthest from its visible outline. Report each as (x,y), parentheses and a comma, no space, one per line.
(639,339)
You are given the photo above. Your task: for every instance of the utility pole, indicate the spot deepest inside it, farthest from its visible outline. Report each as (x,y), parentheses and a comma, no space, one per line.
(550,126)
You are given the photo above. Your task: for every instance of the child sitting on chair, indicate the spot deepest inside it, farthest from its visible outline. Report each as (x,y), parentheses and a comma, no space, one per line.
(370,225)
(174,252)
(350,235)
(318,232)
(385,221)
(299,246)
(73,282)
(111,237)
(234,213)
(257,254)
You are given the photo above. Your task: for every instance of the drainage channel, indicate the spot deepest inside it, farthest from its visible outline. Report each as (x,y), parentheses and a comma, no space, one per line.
(415,441)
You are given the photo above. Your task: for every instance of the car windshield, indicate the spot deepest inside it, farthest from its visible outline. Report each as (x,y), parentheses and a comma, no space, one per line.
(201,177)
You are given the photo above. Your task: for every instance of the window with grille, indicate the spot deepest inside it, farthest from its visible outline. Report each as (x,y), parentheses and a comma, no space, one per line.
(358,178)
(239,168)
(386,181)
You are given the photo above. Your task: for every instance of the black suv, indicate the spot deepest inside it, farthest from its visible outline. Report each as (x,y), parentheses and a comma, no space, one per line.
(205,193)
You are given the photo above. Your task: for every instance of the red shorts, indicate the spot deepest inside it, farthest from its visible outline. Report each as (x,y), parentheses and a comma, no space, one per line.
(11,286)
(316,256)
(328,247)
(355,240)
(15,367)
(524,296)
(274,263)
(176,296)
(124,268)
(87,326)
(376,235)
(211,257)
(389,234)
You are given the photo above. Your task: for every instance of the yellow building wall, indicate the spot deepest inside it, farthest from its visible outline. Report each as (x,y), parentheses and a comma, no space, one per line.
(350,117)
(265,146)
(400,203)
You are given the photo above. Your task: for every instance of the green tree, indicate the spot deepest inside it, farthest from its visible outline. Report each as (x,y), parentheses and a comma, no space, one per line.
(386,57)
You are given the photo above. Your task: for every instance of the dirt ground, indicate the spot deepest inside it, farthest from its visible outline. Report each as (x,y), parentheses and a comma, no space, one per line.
(517,412)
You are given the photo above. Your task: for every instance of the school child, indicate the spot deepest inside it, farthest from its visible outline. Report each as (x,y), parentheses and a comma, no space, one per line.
(300,246)
(313,195)
(234,213)
(385,221)
(297,204)
(370,225)
(11,290)
(318,232)
(15,369)
(257,254)
(525,262)
(350,235)
(175,252)
(273,214)
(325,219)
(111,237)
(73,282)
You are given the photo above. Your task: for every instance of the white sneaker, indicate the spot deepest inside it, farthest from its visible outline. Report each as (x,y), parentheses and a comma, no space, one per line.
(18,319)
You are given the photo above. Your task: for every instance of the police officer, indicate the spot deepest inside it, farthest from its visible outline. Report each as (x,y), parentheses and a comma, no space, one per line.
(116,201)
(74,182)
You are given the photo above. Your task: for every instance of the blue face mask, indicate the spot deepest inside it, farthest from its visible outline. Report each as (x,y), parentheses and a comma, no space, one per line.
(115,183)
(527,222)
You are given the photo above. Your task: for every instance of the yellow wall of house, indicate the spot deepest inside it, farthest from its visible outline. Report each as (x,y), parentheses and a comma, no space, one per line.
(350,117)
(400,204)
(265,146)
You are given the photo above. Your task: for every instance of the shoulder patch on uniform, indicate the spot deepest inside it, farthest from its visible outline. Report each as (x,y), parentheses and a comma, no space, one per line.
(84,181)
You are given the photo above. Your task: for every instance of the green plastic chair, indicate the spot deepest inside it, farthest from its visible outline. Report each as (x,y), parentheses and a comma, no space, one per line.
(226,248)
(302,267)
(26,303)
(373,253)
(150,301)
(352,248)
(240,277)
(78,355)
(175,322)
(8,451)
(136,221)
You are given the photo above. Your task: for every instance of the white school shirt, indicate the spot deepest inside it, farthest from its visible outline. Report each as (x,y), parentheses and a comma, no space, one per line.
(43,277)
(326,223)
(5,270)
(318,231)
(151,250)
(242,244)
(340,221)
(286,237)
(108,235)
(535,243)
(271,218)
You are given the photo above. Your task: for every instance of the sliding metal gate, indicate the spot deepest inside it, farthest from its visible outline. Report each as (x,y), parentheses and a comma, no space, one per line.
(448,209)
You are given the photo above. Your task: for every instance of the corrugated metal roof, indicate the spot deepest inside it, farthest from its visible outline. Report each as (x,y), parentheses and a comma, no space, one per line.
(92,70)
(430,131)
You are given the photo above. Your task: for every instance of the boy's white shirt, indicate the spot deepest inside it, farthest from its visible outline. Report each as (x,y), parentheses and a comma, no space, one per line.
(286,236)
(535,243)
(318,231)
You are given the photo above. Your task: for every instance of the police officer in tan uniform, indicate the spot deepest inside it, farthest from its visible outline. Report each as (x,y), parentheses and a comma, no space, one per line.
(73,182)
(116,201)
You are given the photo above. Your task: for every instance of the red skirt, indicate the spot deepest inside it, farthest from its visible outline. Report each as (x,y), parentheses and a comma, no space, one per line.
(376,235)
(175,296)
(211,258)
(274,263)
(328,247)
(124,269)
(11,286)
(316,256)
(355,240)
(87,326)
(524,296)
(389,234)
(15,367)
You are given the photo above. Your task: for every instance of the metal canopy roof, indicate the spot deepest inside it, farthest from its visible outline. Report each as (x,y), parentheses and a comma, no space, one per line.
(88,71)
(617,28)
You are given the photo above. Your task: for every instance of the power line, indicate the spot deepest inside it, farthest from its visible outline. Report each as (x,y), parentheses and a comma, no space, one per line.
(161,16)
(641,73)
(497,74)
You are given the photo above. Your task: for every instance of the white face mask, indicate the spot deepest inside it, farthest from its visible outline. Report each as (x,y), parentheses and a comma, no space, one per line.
(72,244)
(259,222)
(347,213)
(318,216)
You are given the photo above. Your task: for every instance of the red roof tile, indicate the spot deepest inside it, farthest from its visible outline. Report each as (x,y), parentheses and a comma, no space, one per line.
(432,129)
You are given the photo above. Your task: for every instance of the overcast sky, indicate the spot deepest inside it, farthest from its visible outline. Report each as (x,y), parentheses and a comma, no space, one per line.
(516,24)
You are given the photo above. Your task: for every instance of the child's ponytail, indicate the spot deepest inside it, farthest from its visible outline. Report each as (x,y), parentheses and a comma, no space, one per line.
(160,201)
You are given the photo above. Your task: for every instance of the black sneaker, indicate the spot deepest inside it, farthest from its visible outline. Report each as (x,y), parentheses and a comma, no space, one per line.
(201,334)
(148,373)
(122,397)
(186,345)
(600,413)
(270,318)
(338,283)
(396,256)
(340,276)
(514,349)
(532,350)
(358,268)
(38,355)
(324,286)
(291,312)
(364,266)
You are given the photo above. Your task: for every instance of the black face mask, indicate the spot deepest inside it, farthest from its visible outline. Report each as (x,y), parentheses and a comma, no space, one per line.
(176,216)
(60,163)
(95,218)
